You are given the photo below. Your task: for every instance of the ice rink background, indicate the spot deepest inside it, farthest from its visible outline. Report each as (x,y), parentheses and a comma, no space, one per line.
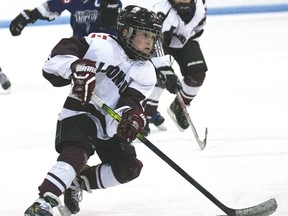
(243,102)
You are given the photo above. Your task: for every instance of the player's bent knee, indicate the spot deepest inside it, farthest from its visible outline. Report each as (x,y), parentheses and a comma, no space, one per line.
(195,79)
(126,169)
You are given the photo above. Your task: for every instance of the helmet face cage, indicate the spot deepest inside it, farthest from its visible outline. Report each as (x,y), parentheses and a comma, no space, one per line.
(135,19)
(138,53)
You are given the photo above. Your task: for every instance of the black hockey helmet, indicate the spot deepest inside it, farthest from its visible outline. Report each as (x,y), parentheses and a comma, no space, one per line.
(134,18)
(183,7)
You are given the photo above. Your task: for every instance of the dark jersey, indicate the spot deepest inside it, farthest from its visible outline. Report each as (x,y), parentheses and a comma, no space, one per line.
(86,15)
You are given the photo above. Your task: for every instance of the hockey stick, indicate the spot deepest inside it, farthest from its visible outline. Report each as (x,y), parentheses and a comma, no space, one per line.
(263,209)
(202,144)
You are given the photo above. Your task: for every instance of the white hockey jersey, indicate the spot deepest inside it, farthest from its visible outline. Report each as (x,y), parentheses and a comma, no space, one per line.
(181,32)
(115,73)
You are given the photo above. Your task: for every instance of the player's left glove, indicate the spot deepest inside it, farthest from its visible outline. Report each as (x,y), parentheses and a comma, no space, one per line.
(108,13)
(83,79)
(133,121)
(170,79)
(24,18)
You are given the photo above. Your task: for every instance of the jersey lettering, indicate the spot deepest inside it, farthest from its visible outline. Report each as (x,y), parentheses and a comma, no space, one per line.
(116,75)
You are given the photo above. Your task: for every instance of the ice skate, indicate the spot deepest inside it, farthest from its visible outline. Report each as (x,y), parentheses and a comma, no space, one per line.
(157,119)
(43,206)
(74,194)
(176,112)
(4,81)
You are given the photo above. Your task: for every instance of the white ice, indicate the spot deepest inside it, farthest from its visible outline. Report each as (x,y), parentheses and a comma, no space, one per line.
(243,102)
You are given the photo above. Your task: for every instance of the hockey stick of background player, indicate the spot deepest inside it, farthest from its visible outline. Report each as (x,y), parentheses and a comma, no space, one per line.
(202,144)
(263,209)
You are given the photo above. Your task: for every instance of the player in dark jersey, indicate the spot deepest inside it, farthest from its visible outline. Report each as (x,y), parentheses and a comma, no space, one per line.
(119,72)
(87,16)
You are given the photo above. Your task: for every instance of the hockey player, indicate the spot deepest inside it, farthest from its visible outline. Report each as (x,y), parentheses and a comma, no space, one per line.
(183,24)
(118,71)
(4,81)
(87,16)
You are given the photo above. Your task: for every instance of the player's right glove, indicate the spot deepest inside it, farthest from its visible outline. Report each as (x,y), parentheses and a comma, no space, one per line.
(83,79)
(133,121)
(170,79)
(25,17)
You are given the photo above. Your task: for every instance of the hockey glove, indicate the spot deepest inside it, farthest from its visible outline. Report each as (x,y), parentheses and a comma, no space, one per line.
(133,121)
(83,79)
(169,78)
(108,13)
(25,17)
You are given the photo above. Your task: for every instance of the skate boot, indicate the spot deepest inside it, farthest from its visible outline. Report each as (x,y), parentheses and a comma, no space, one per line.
(43,206)
(176,112)
(157,119)
(74,194)
(4,81)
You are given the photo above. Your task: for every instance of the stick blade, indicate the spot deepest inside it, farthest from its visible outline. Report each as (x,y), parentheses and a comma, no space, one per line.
(263,209)
(202,144)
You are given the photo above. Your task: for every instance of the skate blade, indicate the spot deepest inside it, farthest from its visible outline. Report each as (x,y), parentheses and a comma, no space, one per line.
(161,127)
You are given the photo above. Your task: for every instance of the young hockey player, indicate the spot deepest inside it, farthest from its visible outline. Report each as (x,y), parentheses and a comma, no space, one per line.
(87,16)
(119,72)
(183,24)
(4,81)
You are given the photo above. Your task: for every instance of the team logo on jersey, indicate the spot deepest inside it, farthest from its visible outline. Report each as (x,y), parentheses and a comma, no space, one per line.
(86,16)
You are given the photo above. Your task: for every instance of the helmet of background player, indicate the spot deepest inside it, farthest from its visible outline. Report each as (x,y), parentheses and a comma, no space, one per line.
(183,6)
(134,18)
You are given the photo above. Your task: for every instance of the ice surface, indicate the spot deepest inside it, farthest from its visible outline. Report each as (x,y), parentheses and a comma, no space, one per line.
(243,102)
